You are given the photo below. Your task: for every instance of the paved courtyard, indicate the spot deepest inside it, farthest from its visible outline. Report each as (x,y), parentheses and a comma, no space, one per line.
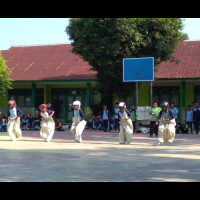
(98,159)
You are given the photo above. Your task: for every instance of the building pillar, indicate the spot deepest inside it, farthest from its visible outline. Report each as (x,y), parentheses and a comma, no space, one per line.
(33,95)
(88,95)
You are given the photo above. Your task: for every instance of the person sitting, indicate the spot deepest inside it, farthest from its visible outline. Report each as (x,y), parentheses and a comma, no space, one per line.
(30,121)
(96,123)
(25,122)
(111,124)
(58,125)
(3,124)
(184,127)
(36,122)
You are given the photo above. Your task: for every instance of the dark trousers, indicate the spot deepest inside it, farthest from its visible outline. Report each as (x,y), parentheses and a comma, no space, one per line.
(190,126)
(116,126)
(196,126)
(134,125)
(153,128)
(105,125)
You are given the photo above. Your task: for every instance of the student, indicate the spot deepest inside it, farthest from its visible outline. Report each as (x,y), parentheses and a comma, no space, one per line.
(96,123)
(116,117)
(189,116)
(47,124)
(25,122)
(58,125)
(126,125)
(167,123)
(154,112)
(184,127)
(14,114)
(36,122)
(133,115)
(174,110)
(3,124)
(78,122)
(105,118)
(196,117)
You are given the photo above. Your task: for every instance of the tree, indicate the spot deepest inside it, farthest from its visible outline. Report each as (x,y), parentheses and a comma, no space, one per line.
(5,81)
(104,42)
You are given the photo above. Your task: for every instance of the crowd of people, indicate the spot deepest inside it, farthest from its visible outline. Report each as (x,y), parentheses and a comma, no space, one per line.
(164,121)
(189,125)
(106,121)
(30,122)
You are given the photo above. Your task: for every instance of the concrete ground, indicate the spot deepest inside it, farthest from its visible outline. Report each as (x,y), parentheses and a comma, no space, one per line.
(98,159)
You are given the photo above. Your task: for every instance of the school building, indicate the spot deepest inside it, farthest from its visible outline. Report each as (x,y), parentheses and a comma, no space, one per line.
(52,73)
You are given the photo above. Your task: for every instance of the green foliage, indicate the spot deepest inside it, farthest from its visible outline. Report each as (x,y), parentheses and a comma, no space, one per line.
(88,113)
(5,82)
(104,42)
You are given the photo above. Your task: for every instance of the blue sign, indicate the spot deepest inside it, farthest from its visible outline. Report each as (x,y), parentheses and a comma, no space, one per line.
(138,69)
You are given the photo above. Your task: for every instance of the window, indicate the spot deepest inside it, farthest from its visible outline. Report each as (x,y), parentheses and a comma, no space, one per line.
(197,94)
(170,94)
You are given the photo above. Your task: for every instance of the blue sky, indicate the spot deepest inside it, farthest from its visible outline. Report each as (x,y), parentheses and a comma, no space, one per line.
(42,31)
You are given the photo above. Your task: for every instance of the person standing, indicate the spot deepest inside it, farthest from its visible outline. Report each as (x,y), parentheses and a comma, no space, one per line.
(78,122)
(167,123)
(196,117)
(13,127)
(116,122)
(133,115)
(154,112)
(47,124)
(126,125)
(189,117)
(106,114)
(174,110)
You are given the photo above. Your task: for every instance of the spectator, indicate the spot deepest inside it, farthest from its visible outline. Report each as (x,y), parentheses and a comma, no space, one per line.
(189,116)
(30,121)
(36,122)
(96,122)
(133,116)
(25,122)
(184,127)
(3,124)
(196,117)
(58,125)
(106,114)
(116,117)
(90,123)
(154,112)
(111,123)
(174,110)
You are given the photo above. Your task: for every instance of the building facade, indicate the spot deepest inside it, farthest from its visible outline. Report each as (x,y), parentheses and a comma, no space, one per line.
(52,73)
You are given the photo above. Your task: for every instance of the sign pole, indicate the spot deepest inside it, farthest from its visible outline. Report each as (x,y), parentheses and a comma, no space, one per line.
(136,105)
(151,93)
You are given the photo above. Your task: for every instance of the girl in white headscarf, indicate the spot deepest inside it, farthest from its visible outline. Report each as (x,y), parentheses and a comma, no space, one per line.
(78,122)
(126,125)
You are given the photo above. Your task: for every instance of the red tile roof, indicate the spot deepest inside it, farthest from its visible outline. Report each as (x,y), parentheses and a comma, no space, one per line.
(49,62)
(188,56)
(57,62)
